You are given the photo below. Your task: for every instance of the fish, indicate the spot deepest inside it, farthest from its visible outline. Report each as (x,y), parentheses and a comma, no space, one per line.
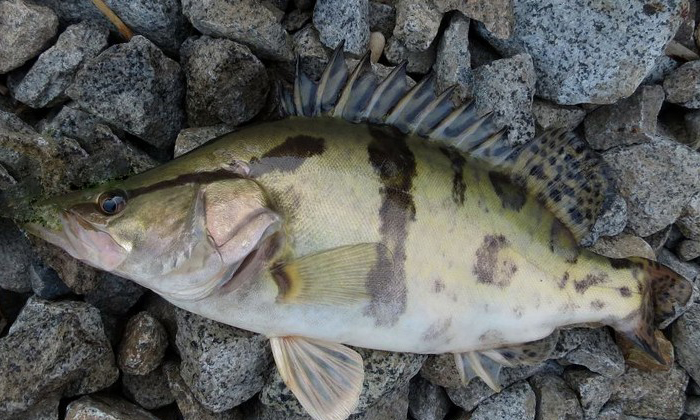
(374,215)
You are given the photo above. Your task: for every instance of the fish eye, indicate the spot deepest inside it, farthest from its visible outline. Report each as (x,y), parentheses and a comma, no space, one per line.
(112,202)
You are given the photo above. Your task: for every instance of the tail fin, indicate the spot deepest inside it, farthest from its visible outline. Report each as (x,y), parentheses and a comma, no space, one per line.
(664,294)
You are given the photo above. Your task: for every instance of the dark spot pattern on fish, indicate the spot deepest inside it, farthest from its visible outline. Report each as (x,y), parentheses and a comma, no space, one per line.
(437,329)
(597,304)
(625,291)
(201,178)
(438,285)
(512,196)
(459,187)
(394,163)
(564,280)
(620,264)
(488,268)
(288,156)
(589,281)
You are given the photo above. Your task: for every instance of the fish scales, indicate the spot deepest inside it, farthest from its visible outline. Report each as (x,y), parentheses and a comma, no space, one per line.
(376,216)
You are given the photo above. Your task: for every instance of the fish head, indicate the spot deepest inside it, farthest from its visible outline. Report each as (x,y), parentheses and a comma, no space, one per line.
(182,238)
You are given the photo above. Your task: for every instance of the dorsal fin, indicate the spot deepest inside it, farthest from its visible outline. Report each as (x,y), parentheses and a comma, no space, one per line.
(557,167)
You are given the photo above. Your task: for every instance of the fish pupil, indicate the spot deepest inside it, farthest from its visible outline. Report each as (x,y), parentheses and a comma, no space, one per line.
(112,203)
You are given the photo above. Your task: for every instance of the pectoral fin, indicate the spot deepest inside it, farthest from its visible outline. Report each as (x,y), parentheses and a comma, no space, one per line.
(334,277)
(325,377)
(472,364)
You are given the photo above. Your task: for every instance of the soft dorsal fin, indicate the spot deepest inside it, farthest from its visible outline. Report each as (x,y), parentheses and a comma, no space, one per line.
(556,167)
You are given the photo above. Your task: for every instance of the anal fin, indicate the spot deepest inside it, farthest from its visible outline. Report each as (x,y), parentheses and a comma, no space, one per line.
(325,377)
(473,364)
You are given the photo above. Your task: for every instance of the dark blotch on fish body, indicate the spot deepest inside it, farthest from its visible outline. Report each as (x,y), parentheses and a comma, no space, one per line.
(289,155)
(437,329)
(589,281)
(625,291)
(512,196)
(394,163)
(487,268)
(459,187)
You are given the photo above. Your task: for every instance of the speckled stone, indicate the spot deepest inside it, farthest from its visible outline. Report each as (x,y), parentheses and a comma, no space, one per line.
(630,121)
(143,345)
(54,70)
(418,62)
(506,87)
(45,409)
(652,394)
(348,20)
(453,61)
(689,249)
(686,339)
(26,30)
(393,406)
(496,15)
(517,402)
(682,86)
(623,246)
(555,400)
(570,44)
(15,258)
(249,22)
(113,294)
(313,56)
(689,222)
(150,391)
(417,24)
(226,83)
(105,408)
(427,401)
(59,348)
(593,390)
(663,66)
(222,365)
(657,180)
(46,283)
(382,18)
(144,94)
(191,138)
(550,115)
(596,351)
(296,19)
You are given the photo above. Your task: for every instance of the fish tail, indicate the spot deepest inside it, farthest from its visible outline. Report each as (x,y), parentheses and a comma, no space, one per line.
(663,293)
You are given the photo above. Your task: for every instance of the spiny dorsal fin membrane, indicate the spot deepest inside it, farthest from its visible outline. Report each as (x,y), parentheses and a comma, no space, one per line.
(557,167)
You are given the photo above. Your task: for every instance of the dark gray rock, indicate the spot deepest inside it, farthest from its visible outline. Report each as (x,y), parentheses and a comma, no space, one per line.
(555,400)
(517,402)
(165,312)
(593,390)
(686,341)
(689,222)
(630,121)
(682,86)
(15,258)
(506,87)
(657,180)
(382,18)
(658,394)
(26,30)
(427,401)
(418,62)
(191,138)
(348,20)
(144,94)
(496,15)
(190,408)
(596,351)
(663,66)
(689,249)
(393,406)
(313,56)
(58,348)
(570,46)
(453,61)
(417,24)
(6,180)
(45,409)
(113,294)
(143,345)
(550,115)
(222,365)
(296,19)
(692,408)
(150,391)
(45,281)
(250,22)
(79,277)
(226,83)
(105,408)
(54,70)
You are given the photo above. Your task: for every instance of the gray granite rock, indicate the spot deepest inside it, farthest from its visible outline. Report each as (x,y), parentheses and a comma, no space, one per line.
(343,20)
(382,17)
(6,180)
(453,61)
(550,115)
(45,282)
(517,402)
(226,83)
(144,94)
(105,408)
(58,348)
(496,15)
(15,258)
(393,406)
(296,19)
(27,29)
(593,348)
(614,411)
(663,66)
(427,401)
(609,223)
(657,180)
(166,313)
(150,391)
(143,345)
(682,86)
(54,70)
(623,246)
(689,222)
(190,407)
(555,400)
(418,62)
(692,408)
(45,409)
(570,44)
(506,88)
(191,138)
(249,22)
(417,24)
(689,270)
(630,121)
(692,128)
(385,372)
(79,277)
(113,294)
(313,56)
(592,389)
(222,365)
(659,394)
(688,249)
(686,341)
